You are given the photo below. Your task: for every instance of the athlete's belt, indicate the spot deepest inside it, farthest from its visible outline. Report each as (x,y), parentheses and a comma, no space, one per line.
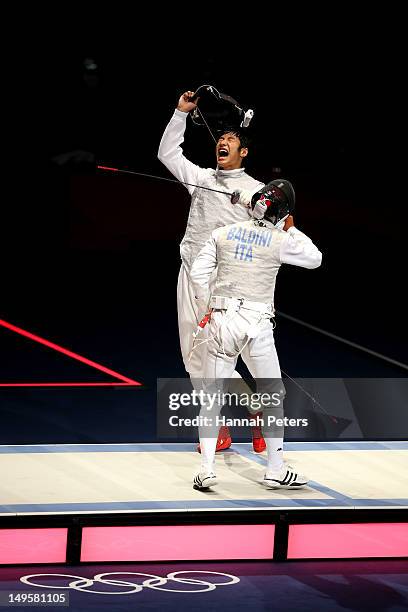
(219,302)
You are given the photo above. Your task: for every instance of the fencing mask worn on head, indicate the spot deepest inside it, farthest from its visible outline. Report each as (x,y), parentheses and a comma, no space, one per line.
(279,197)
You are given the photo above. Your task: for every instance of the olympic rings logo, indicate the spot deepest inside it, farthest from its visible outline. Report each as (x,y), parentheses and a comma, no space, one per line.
(80,583)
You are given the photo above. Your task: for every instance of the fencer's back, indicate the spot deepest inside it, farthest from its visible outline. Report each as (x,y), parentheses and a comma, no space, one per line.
(248,259)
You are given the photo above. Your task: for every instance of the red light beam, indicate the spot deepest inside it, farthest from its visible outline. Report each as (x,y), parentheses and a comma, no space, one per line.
(71,384)
(60,349)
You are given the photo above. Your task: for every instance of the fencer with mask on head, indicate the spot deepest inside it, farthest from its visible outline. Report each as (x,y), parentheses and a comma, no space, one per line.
(247,256)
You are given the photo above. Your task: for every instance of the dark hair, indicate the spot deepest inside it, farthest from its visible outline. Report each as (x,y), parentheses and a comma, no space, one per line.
(238,132)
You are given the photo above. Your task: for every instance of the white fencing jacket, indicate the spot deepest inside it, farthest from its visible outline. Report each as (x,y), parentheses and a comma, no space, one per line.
(208,210)
(249,255)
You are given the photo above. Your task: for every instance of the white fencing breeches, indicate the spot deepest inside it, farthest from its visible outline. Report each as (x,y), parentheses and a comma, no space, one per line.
(228,334)
(188,319)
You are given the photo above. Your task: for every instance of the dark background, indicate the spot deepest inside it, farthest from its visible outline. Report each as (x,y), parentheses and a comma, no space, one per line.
(90,261)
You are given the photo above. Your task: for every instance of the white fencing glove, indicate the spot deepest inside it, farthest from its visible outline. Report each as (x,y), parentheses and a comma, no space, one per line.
(242,196)
(259,210)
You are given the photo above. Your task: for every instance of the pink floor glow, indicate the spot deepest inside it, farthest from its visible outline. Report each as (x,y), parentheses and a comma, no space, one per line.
(167,542)
(348,540)
(33,545)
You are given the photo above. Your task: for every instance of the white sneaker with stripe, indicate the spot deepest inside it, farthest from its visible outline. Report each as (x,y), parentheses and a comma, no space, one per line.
(287,478)
(204,480)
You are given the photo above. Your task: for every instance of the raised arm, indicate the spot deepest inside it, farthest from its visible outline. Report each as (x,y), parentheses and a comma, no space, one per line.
(297,249)
(170,152)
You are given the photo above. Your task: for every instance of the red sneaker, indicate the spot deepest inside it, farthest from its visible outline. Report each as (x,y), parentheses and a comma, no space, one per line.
(223,442)
(258,441)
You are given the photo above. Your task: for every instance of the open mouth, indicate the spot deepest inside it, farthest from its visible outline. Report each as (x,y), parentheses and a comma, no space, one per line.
(222,152)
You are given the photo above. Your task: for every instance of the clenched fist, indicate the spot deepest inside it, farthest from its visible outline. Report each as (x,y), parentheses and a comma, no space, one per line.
(184,103)
(288,223)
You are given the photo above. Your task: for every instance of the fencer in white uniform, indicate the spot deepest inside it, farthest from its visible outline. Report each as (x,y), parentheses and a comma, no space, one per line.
(208,211)
(247,256)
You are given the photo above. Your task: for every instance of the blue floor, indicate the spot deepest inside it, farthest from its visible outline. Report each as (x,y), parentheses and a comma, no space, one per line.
(334,586)
(334,497)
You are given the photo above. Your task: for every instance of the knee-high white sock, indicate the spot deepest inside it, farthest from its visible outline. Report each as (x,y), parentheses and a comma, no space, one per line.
(208,446)
(274,447)
(208,433)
